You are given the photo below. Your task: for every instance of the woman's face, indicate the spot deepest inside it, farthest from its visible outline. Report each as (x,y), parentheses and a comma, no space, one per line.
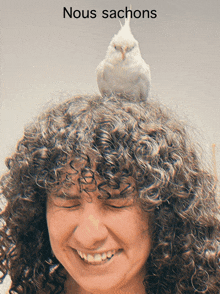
(102,244)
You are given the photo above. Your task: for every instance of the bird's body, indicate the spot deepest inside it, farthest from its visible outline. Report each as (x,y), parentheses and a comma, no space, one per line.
(123,72)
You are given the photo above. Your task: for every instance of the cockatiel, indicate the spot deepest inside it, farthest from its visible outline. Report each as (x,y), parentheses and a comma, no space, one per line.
(123,72)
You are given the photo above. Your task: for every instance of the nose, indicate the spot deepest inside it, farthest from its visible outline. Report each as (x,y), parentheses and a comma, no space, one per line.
(91,232)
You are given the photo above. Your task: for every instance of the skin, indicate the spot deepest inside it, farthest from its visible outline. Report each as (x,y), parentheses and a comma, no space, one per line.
(78,220)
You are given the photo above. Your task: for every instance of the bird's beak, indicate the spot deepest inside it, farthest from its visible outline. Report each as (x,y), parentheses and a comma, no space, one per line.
(123,51)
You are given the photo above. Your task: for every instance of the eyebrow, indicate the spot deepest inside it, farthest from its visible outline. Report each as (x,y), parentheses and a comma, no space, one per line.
(68,196)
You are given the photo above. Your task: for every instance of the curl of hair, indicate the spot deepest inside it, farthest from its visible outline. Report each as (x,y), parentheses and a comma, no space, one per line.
(142,141)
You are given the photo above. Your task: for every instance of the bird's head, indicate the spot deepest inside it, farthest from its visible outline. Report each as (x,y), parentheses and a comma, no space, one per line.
(123,43)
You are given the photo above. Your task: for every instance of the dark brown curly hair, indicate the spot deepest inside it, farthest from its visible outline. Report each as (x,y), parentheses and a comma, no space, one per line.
(143,141)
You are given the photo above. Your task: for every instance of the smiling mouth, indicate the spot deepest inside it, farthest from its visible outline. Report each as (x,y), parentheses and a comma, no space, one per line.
(96,259)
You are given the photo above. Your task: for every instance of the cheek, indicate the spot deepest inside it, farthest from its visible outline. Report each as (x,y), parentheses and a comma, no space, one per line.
(134,233)
(59,227)
(140,241)
(138,236)
(131,227)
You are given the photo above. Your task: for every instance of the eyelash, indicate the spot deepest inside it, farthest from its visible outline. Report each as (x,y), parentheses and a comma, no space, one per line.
(106,205)
(72,206)
(112,207)
(60,202)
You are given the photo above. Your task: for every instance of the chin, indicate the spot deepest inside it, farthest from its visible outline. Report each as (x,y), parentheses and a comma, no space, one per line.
(102,285)
(102,289)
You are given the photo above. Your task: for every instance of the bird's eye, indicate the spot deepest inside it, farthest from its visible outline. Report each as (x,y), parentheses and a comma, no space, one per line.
(116,47)
(129,48)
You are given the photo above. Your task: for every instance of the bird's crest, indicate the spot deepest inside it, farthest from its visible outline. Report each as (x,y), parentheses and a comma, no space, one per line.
(127,20)
(125,30)
(124,34)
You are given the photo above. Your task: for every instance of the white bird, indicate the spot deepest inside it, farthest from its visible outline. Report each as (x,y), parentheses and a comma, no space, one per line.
(123,72)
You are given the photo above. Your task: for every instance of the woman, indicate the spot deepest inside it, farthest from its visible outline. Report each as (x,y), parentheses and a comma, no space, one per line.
(107,196)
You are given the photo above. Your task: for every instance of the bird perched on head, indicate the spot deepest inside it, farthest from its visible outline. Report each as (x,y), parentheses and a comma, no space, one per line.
(123,72)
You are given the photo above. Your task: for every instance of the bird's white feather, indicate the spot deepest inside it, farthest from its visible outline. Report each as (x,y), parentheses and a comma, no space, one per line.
(123,72)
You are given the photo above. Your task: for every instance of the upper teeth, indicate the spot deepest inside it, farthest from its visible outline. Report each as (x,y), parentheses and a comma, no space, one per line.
(96,257)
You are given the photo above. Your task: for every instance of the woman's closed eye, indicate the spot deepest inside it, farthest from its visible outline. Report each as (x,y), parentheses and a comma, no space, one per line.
(118,203)
(66,201)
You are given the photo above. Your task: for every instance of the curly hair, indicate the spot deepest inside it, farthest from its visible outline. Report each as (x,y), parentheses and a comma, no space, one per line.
(142,141)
